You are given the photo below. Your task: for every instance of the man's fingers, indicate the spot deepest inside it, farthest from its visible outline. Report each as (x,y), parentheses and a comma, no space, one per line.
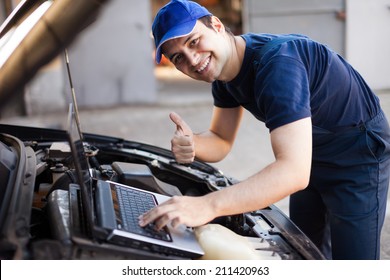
(155,215)
(162,215)
(183,149)
(181,125)
(176,118)
(182,144)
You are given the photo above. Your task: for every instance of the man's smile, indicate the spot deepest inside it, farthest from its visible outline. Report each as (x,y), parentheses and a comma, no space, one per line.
(204,65)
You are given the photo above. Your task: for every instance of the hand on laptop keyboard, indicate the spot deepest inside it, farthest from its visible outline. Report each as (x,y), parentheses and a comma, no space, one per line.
(180,210)
(132,204)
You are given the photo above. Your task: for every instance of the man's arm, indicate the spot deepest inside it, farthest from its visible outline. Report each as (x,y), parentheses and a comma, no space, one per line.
(217,142)
(290,172)
(209,146)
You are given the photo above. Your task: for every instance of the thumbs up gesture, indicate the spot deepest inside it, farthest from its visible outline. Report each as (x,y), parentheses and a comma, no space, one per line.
(182,143)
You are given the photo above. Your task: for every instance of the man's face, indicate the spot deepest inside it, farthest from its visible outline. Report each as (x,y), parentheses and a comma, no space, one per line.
(202,55)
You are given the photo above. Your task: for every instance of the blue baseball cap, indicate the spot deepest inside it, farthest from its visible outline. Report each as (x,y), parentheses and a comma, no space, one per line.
(176,19)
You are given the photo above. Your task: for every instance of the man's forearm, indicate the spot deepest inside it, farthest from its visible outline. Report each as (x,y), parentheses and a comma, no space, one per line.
(209,147)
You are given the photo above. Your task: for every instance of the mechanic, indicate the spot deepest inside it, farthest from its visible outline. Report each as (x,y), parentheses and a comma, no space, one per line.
(328,133)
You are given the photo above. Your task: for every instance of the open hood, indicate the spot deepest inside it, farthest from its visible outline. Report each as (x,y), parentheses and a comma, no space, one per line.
(35,33)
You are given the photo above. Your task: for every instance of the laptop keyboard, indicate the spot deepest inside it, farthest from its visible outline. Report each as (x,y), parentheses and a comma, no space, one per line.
(133,204)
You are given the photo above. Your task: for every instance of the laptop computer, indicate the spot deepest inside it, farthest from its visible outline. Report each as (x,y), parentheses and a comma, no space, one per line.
(110,210)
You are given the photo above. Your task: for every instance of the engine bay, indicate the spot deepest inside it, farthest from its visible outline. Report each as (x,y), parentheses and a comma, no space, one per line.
(37,191)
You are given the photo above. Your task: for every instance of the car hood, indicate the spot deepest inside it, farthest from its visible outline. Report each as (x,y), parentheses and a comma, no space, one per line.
(35,33)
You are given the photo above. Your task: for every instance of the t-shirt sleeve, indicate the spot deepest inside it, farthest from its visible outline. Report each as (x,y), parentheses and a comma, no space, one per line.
(222,97)
(282,91)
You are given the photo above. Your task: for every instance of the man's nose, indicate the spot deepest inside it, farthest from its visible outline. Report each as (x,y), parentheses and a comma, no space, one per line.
(193,57)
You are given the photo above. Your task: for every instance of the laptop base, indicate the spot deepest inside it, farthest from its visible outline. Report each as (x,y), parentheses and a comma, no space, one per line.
(74,243)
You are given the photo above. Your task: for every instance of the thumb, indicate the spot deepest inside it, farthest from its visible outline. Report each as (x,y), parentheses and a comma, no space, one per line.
(181,126)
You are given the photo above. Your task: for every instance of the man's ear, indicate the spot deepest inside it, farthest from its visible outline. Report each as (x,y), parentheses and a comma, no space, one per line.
(217,24)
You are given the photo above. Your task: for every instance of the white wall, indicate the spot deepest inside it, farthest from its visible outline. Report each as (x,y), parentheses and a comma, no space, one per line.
(112,61)
(368,40)
(316,18)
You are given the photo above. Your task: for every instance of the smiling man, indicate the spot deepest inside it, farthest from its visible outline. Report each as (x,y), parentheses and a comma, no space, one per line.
(328,133)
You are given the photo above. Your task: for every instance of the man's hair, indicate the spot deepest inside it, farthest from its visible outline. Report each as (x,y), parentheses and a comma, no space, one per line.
(207,21)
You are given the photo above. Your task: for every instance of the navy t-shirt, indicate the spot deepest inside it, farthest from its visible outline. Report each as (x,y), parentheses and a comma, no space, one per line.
(294,80)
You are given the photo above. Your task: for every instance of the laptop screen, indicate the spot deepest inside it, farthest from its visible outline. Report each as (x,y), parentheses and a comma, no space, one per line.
(81,165)
(75,139)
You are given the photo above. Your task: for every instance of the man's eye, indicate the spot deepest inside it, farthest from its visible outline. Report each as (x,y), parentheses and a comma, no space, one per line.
(194,42)
(177,59)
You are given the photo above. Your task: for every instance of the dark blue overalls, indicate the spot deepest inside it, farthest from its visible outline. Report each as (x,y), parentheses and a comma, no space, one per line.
(347,194)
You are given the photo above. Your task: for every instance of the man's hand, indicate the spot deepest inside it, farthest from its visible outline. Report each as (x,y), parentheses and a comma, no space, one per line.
(187,210)
(182,143)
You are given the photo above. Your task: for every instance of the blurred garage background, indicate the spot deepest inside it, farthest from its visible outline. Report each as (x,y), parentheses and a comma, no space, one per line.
(117,50)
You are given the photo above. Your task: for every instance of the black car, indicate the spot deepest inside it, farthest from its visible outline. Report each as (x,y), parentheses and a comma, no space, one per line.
(38,172)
